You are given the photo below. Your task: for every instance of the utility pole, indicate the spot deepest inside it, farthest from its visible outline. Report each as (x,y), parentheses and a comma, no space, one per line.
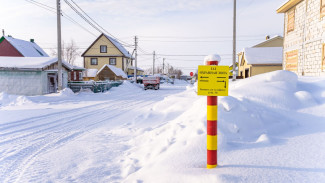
(58,10)
(234,45)
(163,66)
(135,55)
(153,64)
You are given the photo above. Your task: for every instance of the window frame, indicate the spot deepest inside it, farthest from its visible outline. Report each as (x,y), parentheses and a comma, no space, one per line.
(292,13)
(291,58)
(91,61)
(110,59)
(80,76)
(103,46)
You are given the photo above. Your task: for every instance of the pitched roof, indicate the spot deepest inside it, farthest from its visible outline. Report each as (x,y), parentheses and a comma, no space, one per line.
(132,68)
(30,62)
(26,48)
(268,40)
(263,55)
(115,70)
(117,44)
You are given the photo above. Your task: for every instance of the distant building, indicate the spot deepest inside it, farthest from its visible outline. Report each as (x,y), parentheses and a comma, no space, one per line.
(76,74)
(130,71)
(107,72)
(31,75)
(105,50)
(261,58)
(304,36)
(12,47)
(254,61)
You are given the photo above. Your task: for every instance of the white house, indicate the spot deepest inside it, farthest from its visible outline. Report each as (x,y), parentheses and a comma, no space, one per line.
(31,75)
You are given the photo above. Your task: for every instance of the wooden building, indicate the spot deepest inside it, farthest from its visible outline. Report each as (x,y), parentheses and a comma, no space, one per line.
(105,50)
(254,61)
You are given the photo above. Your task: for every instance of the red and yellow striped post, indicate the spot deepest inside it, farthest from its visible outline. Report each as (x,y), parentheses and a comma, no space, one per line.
(212,115)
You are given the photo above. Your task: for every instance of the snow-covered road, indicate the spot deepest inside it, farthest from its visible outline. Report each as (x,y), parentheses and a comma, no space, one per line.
(34,140)
(271,128)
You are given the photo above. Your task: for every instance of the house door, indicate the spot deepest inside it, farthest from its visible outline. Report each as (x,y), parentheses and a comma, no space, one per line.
(51,83)
(246,73)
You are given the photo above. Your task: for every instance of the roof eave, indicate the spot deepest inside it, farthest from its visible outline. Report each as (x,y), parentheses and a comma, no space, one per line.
(288,5)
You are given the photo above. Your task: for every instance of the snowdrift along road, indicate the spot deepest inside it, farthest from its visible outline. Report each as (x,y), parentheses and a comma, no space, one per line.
(271,129)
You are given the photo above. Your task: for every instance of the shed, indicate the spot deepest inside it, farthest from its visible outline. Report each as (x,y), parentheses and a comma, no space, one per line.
(31,75)
(109,72)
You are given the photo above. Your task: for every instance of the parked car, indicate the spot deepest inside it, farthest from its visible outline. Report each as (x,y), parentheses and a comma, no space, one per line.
(151,82)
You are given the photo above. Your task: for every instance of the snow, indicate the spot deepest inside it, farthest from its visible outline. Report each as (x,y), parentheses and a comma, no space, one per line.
(115,70)
(263,55)
(26,48)
(119,46)
(29,62)
(139,69)
(91,73)
(270,129)
(214,57)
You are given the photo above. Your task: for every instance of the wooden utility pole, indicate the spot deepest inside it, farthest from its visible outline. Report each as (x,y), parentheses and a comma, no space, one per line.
(234,45)
(135,61)
(153,64)
(163,71)
(60,86)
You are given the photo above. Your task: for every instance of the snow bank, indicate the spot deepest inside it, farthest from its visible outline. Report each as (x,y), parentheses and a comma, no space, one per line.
(13,100)
(66,92)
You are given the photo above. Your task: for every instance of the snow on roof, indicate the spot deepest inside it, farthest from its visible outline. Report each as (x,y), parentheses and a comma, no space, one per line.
(26,48)
(263,55)
(139,69)
(117,71)
(119,46)
(29,62)
(91,73)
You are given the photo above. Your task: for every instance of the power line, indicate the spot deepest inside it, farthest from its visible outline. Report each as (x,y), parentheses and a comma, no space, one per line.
(98,27)
(53,10)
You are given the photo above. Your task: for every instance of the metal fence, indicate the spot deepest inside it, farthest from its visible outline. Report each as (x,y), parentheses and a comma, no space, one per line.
(94,86)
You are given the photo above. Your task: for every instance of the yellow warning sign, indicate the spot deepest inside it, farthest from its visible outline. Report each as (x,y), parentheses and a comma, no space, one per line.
(213,80)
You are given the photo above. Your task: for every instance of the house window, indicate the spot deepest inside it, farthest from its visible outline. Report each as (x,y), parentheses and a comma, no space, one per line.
(103,48)
(291,60)
(322,8)
(112,61)
(80,76)
(74,75)
(291,20)
(93,61)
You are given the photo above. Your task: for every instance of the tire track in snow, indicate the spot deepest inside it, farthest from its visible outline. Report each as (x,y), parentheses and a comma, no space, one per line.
(15,165)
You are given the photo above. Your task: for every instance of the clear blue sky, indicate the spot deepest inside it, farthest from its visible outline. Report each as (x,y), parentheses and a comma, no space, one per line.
(170,27)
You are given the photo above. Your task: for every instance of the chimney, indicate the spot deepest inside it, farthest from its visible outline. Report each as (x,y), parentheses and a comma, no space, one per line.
(267,37)
(3,32)
(32,40)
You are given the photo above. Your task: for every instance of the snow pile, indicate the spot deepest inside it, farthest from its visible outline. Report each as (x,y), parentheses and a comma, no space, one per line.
(66,92)
(13,100)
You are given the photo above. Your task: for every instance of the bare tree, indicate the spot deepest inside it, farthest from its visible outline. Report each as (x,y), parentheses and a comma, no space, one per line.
(69,52)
